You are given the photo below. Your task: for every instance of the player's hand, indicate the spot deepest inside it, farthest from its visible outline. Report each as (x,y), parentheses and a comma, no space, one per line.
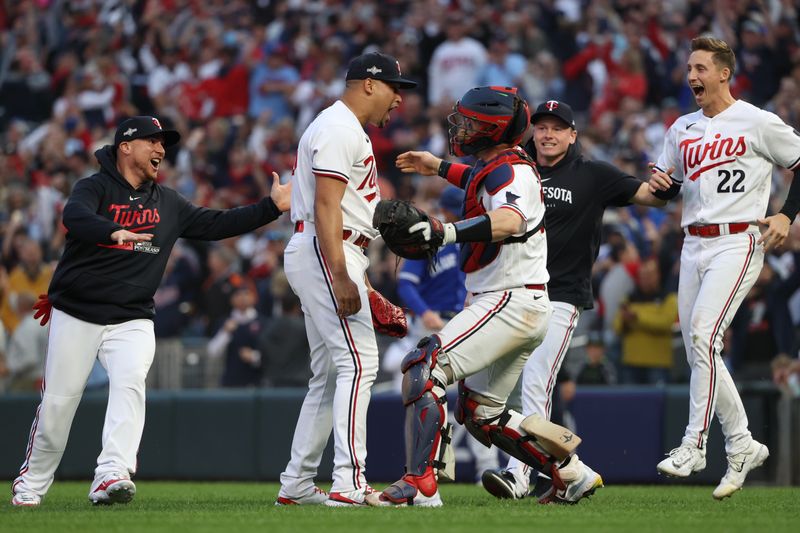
(660,180)
(348,301)
(424,163)
(121,236)
(432,320)
(776,232)
(281,194)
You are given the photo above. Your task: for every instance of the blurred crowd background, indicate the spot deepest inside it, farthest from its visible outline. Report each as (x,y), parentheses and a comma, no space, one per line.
(242,79)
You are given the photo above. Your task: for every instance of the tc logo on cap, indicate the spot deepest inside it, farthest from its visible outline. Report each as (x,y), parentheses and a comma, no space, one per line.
(156,122)
(551,105)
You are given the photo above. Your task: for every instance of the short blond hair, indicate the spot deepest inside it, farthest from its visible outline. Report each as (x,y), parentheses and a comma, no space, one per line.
(721,53)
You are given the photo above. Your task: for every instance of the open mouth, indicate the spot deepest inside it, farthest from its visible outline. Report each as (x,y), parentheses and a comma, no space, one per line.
(155,162)
(698,90)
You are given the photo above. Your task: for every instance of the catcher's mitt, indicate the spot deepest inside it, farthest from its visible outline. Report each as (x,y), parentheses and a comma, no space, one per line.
(387,318)
(394,218)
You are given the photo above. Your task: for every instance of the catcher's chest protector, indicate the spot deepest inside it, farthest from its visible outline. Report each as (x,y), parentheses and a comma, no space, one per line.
(495,175)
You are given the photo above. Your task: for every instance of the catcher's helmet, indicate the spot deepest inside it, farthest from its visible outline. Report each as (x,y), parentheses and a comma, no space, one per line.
(487,116)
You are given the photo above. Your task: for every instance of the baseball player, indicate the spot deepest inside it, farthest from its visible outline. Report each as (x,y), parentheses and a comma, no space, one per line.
(722,156)
(485,347)
(335,193)
(576,194)
(434,291)
(121,228)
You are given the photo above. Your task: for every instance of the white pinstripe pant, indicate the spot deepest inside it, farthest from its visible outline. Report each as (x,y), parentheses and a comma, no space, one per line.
(541,370)
(344,364)
(716,275)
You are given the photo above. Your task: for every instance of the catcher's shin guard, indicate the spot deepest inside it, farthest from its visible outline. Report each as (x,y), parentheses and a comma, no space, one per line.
(426,430)
(506,431)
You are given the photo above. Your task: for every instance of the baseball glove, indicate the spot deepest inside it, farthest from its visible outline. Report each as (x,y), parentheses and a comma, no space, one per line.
(387,318)
(395,218)
(42,309)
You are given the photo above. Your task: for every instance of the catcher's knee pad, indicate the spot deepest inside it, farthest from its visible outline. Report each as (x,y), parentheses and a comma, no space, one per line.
(426,409)
(506,431)
(422,370)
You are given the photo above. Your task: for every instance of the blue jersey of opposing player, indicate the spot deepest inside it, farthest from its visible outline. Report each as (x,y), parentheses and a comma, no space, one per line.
(438,286)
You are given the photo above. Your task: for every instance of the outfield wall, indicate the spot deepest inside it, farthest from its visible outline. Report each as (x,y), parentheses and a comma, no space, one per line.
(246,434)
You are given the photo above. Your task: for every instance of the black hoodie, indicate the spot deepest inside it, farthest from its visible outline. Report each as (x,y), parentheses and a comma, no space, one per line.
(101,282)
(576,193)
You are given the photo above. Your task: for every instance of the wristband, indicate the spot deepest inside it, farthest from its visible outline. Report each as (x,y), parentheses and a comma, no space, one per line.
(444,167)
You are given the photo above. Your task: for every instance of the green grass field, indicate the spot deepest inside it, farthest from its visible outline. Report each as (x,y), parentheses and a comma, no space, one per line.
(243,507)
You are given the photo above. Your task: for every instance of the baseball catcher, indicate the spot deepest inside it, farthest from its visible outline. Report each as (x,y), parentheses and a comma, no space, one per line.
(484,347)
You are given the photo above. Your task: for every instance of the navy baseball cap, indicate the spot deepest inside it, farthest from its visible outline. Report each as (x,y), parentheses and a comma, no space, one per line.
(554,108)
(452,199)
(144,126)
(378,66)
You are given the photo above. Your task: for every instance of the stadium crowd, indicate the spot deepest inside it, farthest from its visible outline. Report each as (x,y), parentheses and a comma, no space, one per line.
(241,80)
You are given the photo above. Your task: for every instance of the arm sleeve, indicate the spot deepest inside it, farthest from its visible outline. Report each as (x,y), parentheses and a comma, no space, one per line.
(779,142)
(408,285)
(616,188)
(81,217)
(214,224)
(455,173)
(334,152)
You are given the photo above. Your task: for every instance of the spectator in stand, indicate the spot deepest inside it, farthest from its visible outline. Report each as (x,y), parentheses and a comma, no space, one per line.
(644,322)
(284,346)
(456,63)
(237,340)
(762,327)
(272,84)
(596,370)
(503,66)
(31,276)
(27,348)
(223,278)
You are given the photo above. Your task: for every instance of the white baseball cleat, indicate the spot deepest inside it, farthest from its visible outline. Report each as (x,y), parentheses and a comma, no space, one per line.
(504,484)
(349,498)
(26,499)
(316,497)
(115,488)
(738,467)
(683,461)
(580,480)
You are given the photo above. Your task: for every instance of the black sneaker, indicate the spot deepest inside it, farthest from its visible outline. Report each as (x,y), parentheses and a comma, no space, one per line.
(502,484)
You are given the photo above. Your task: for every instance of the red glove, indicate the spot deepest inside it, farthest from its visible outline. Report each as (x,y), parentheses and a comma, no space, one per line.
(43,309)
(387,318)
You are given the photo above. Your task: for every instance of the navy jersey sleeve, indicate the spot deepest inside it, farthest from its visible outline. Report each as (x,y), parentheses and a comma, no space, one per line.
(615,187)
(214,224)
(81,217)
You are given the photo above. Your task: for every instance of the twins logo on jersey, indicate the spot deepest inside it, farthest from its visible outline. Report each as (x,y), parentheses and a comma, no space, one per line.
(698,158)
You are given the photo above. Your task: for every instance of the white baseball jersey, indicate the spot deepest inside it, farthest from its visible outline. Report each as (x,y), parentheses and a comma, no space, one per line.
(335,146)
(517,264)
(726,162)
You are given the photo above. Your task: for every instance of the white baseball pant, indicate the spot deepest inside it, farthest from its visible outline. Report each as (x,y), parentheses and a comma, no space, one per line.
(126,352)
(344,364)
(488,343)
(541,370)
(716,275)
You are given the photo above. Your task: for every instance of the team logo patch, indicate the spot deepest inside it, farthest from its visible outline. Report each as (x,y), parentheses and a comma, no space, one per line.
(374,70)
(551,105)
(130,131)
(156,122)
(146,247)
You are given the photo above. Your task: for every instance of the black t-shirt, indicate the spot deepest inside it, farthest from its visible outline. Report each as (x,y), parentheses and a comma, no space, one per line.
(576,192)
